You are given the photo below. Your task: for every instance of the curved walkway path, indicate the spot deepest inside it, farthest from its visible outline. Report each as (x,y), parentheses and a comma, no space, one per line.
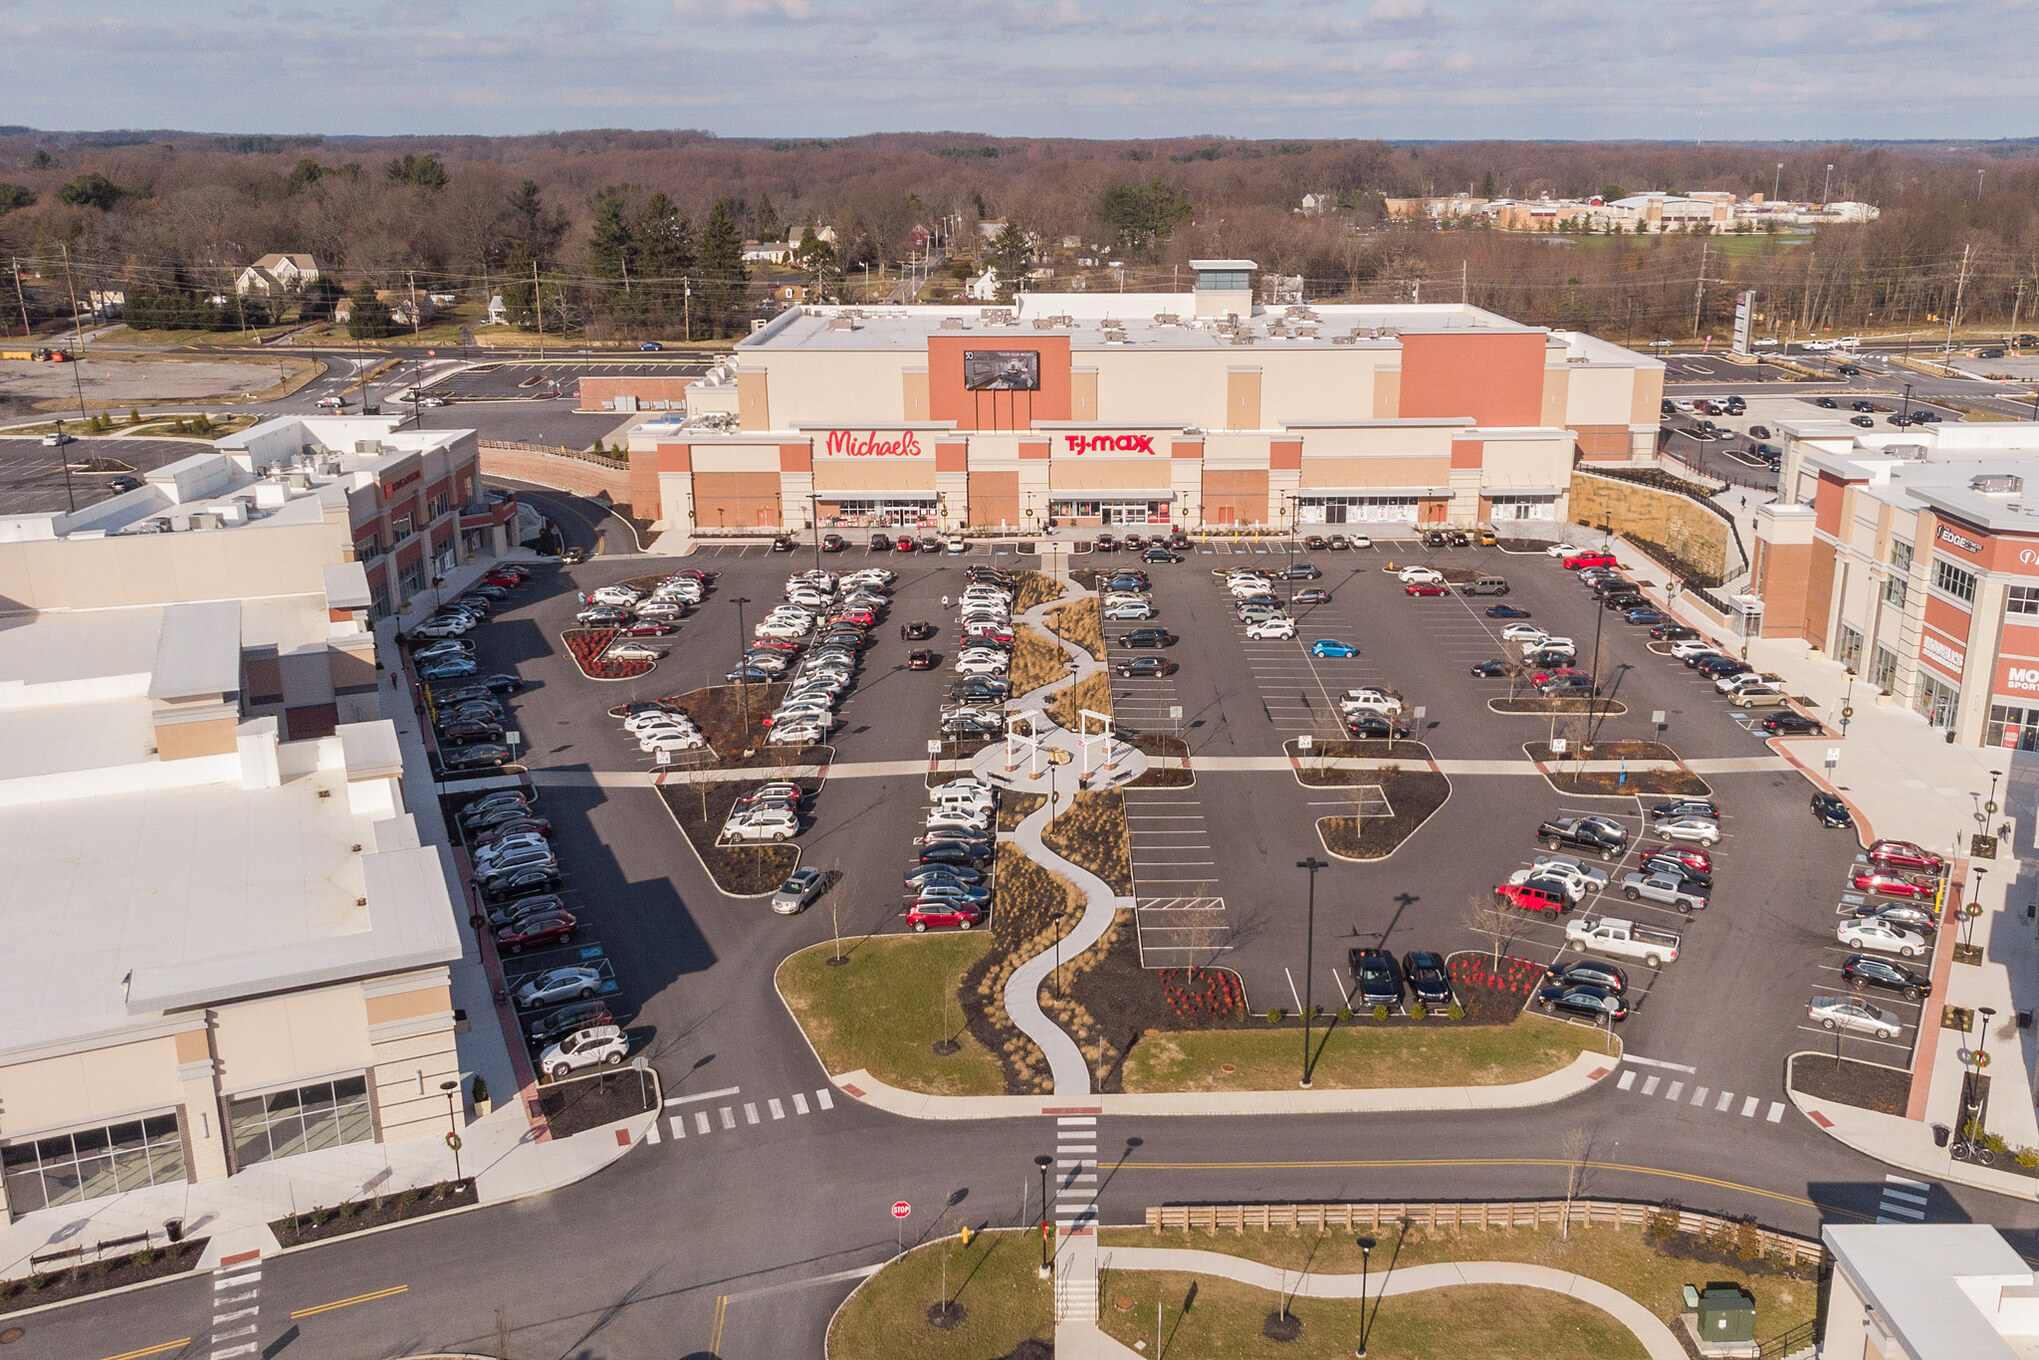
(1659,1340)
(1023,989)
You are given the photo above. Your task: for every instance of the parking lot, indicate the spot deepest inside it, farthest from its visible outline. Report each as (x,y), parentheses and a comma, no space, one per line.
(1214,863)
(32,475)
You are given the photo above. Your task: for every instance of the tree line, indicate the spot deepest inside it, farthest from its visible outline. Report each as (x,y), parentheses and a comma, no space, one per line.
(621,233)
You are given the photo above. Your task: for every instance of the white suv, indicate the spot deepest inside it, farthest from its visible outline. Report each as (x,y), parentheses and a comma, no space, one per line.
(765,824)
(1280,626)
(603,1045)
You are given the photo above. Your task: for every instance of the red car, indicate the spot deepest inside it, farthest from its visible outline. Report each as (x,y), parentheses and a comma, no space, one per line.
(994,631)
(506,582)
(863,618)
(934,911)
(649,628)
(1904,855)
(555,928)
(1582,561)
(1426,588)
(920,659)
(904,543)
(786,645)
(1530,897)
(1541,676)
(1888,884)
(1691,856)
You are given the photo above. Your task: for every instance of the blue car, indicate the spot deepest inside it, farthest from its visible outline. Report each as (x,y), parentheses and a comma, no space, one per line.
(651,346)
(751,675)
(1331,647)
(1644,616)
(453,668)
(1507,611)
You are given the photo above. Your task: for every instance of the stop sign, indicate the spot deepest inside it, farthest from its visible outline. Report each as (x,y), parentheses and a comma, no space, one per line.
(900,1209)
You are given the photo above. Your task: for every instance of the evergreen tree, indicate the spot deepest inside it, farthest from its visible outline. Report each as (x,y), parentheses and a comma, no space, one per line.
(303,175)
(539,228)
(1009,254)
(765,221)
(722,271)
(610,243)
(420,172)
(368,316)
(665,257)
(1142,214)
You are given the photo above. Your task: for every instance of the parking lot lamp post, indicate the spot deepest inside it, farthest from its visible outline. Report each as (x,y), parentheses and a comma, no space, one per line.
(1055,920)
(64,461)
(1987,1013)
(814,523)
(452,1089)
(742,668)
(1309,866)
(1366,1246)
(1848,702)
(1044,1161)
(1989,809)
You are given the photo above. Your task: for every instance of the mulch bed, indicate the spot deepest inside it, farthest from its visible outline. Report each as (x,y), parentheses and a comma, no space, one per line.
(1863,1085)
(1606,708)
(72,1282)
(1125,1000)
(718,711)
(1023,898)
(1413,794)
(1371,748)
(1160,745)
(1491,995)
(1671,783)
(1090,832)
(738,870)
(354,1216)
(572,1107)
(585,646)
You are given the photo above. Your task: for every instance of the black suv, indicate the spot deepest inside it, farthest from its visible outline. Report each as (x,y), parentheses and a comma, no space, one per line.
(1428,979)
(1792,725)
(1830,811)
(1866,970)
(1148,637)
(1378,976)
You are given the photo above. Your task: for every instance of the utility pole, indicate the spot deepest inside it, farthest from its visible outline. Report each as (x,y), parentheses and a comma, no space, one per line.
(2017,305)
(1960,287)
(412,278)
(28,330)
(1464,293)
(1805,308)
(538,296)
(1699,292)
(78,337)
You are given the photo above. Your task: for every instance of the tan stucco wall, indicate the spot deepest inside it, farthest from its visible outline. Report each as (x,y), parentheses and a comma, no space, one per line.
(183,741)
(200,564)
(81,1088)
(286,1039)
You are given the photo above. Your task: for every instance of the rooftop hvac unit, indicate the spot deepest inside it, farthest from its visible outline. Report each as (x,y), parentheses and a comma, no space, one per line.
(299,480)
(952,323)
(841,323)
(1166,319)
(204,519)
(368,446)
(1344,339)
(1997,483)
(1242,338)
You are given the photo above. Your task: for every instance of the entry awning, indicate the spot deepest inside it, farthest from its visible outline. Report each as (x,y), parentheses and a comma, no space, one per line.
(1523,490)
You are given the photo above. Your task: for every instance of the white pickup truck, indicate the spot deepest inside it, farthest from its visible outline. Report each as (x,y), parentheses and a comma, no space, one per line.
(1611,935)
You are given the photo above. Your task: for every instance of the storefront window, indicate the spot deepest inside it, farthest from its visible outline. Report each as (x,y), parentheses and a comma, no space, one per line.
(1952,579)
(1348,509)
(1883,674)
(69,1167)
(302,1119)
(2015,729)
(1524,507)
(1935,700)
(1849,652)
(1898,584)
(2022,600)
(881,513)
(412,578)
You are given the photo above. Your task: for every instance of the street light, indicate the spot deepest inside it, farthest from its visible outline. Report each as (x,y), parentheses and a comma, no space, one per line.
(452,1088)
(1989,809)
(1366,1246)
(1044,1161)
(64,460)
(743,667)
(1981,1060)
(1309,866)
(1848,702)
(1054,920)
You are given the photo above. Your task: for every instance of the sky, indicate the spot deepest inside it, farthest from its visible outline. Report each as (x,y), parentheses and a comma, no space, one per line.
(1713,70)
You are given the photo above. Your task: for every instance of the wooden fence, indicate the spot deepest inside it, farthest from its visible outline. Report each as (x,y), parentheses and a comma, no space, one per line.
(1507,1213)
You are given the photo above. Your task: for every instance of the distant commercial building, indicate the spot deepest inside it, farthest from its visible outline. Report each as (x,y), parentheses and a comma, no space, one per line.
(1928,1291)
(1645,213)
(1912,557)
(230,945)
(1191,410)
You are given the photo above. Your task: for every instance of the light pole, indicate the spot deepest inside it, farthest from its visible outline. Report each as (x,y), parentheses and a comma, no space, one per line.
(743,667)
(1981,1065)
(1055,919)
(1848,702)
(1309,866)
(1044,1161)
(1366,1246)
(64,459)
(452,1088)
(1776,180)
(814,523)
(1826,190)
(1989,809)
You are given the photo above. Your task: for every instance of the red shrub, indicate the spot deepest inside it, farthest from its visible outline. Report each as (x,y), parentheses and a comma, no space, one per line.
(587,645)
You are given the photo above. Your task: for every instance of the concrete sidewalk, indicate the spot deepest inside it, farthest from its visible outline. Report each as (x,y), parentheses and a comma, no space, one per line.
(1582,1074)
(1659,1340)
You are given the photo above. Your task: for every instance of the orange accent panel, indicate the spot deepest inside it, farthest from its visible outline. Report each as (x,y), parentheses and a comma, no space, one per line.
(948,399)
(1285,455)
(1497,379)
(1189,448)
(1468,453)
(952,458)
(1949,620)
(1826,504)
(796,457)
(676,458)
(1033,450)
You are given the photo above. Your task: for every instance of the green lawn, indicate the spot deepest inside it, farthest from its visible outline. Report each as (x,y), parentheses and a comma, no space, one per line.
(1357,1055)
(1620,1257)
(994,1279)
(1224,1322)
(888,1006)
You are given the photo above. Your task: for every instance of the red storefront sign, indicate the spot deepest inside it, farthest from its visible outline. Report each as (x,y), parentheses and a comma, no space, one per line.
(872,445)
(1108,443)
(2011,732)
(391,487)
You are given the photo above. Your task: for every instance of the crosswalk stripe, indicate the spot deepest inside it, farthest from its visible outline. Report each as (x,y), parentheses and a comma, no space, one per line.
(248,1330)
(1923,1187)
(823,1099)
(1699,1096)
(218,1318)
(750,1112)
(701,1121)
(799,1103)
(230,1281)
(679,1126)
(1916,1215)
(1749,1106)
(651,1134)
(1650,1085)
(247,1348)
(778,1110)
(1677,1089)
(1072,1119)
(1727,1098)
(1776,1114)
(1627,1080)
(1892,1192)
(728,1117)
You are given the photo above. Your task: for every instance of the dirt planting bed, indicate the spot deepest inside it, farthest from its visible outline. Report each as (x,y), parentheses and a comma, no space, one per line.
(361,1214)
(1025,898)
(1412,796)
(1171,755)
(700,807)
(1091,834)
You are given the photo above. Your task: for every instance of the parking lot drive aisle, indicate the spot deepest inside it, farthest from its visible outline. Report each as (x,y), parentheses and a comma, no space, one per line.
(1179,913)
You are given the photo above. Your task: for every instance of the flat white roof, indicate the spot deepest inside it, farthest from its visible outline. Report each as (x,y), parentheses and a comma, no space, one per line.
(198,651)
(1928,1282)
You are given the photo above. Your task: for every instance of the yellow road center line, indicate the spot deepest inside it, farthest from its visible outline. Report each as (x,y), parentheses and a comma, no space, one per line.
(721,1312)
(151,1350)
(348,1303)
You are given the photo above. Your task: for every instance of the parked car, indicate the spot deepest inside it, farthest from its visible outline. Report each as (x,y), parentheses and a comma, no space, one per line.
(1881,936)
(1426,588)
(1867,970)
(941,913)
(526,932)
(1705,830)
(801,887)
(1918,916)
(1419,575)
(1665,889)
(1890,883)
(1144,666)
(1376,975)
(1791,725)
(1830,811)
(1148,637)
(1892,854)
(1506,611)
(1547,896)
(597,1046)
(1582,1000)
(1602,835)
(1331,647)
(575,982)
(1428,978)
(1584,560)
(1843,1012)
(1598,973)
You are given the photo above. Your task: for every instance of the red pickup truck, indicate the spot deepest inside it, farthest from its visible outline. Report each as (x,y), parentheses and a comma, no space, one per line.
(1534,897)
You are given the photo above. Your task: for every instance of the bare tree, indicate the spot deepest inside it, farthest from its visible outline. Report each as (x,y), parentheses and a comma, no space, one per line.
(1577,1147)
(1486,915)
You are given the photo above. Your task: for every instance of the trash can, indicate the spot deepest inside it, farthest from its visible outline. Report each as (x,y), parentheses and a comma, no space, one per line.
(173,1228)
(1940,1135)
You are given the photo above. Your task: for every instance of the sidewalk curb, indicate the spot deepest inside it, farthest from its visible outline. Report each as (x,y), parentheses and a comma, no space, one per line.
(1583,1074)
(2024,1188)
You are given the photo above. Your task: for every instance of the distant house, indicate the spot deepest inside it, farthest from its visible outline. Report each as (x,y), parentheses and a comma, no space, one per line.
(788,290)
(983,288)
(919,237)
(499,315)
(767,252)
(107,301)
(276,274)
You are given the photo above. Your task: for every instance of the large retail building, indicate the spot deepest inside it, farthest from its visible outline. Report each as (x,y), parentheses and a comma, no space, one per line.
(1912,557)
(1193,410)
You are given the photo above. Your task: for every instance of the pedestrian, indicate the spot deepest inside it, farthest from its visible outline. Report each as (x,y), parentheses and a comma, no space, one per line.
(945,602)
(1745,502)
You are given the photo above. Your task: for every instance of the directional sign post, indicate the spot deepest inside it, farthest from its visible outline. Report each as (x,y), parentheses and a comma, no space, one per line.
(1833,758)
